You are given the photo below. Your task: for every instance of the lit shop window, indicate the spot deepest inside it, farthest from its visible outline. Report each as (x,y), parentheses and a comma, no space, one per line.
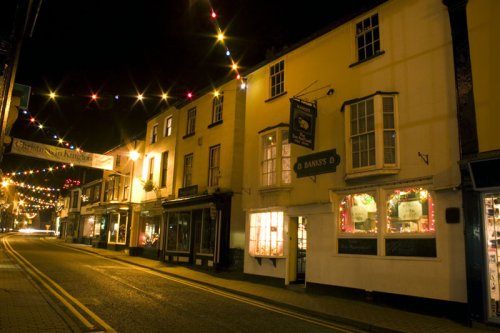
(358,214)
(410,210)
(266,234)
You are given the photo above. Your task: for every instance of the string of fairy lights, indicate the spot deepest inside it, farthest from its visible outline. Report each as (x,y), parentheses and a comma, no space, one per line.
(38,203)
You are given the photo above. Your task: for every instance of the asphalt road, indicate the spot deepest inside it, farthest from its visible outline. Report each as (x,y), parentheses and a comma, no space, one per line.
(115,296)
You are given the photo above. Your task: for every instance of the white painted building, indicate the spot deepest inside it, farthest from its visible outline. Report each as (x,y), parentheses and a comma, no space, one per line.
(361,191)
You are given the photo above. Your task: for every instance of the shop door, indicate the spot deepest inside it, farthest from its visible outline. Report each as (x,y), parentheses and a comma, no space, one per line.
(491,207)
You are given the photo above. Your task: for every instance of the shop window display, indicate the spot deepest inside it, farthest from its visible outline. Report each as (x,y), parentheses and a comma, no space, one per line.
(266,234)
(492,224)
(410,210)
(178,231)
(150,232)
(358,214)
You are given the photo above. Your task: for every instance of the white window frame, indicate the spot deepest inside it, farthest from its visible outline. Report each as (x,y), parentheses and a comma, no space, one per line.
(151,168)
(214,165)
(277,79)
(167,130)
(367,37)
(164,169)
(274,158)
(187,177)
(380,164)
(266,234)
(217,108)
(191,121)
(154,133)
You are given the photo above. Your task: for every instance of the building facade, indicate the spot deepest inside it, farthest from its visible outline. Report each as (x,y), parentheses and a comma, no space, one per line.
(475,46)
(351,173)
(198,165)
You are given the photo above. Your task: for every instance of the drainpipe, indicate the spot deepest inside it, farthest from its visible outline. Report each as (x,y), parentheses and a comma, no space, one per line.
(469,147)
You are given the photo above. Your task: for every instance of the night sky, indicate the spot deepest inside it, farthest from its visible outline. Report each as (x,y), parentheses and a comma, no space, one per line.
(111,47)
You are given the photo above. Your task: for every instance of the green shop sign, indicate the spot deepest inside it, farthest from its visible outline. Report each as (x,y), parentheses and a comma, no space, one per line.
(315,164)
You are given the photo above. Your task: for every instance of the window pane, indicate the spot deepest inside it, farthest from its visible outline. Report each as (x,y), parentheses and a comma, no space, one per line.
(389,147)
(358,214)
(410,210)
(266,234)
(367,37)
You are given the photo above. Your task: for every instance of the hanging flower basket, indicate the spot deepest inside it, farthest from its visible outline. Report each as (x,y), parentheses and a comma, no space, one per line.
(148,186)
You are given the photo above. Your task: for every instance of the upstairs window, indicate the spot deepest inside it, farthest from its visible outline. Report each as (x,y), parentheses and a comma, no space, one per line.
(191,121)
(164,168)
(168,127)
(188,170)
(277,79)
(368,37)
(154,133)
(217,104)
(214,166)
(371,129)
(151,168)
(276,159)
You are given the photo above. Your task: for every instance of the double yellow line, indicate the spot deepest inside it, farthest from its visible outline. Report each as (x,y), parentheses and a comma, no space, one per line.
(71,303)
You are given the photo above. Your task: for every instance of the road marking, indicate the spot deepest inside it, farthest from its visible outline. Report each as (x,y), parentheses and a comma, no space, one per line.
(63,295)
(229,295)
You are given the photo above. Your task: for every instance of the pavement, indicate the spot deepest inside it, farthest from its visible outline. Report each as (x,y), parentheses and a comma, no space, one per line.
(24,308)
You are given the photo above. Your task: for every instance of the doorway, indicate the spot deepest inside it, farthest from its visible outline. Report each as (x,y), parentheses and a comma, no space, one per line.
(491,214)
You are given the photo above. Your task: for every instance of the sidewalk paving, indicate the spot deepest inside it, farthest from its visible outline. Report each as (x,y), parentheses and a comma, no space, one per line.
(365,315)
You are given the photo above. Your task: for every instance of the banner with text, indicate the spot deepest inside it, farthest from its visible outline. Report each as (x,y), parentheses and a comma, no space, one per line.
(302,123)
(63,155)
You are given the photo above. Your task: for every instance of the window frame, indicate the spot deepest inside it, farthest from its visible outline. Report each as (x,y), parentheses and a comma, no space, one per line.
(187,176)
(254,242)
(167,128)
(277,79)
(379,167)
(214,165)
(151,168)
(369,33)
(272,167)
(164,169)
(154,134)
(191,122)
(217,108)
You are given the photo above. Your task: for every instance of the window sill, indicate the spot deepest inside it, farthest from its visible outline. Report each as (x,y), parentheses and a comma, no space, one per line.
(379,53)
(275,188)
(215,124)
(275,97)
(188,135)
(370,173)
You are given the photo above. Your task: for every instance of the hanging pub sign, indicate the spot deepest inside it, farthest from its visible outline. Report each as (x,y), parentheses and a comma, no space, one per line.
(302,123)
(318,163)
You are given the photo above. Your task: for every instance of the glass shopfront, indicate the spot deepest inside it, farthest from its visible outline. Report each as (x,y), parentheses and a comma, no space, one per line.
(491,213)
(149,234)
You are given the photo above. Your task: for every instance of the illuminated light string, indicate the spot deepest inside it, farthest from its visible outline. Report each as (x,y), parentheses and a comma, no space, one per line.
(34,172)
(94,97)
(52,135)
(11,182)
(37,200)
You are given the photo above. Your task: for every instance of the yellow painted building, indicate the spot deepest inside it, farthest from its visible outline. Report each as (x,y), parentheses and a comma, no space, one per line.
(351,174)
(200,196)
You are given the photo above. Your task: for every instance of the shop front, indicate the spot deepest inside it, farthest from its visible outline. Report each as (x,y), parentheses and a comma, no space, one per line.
(486,182)
(150,226)
(197,230)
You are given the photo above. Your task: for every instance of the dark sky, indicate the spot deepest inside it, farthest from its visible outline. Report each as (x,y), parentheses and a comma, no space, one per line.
(121,47)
